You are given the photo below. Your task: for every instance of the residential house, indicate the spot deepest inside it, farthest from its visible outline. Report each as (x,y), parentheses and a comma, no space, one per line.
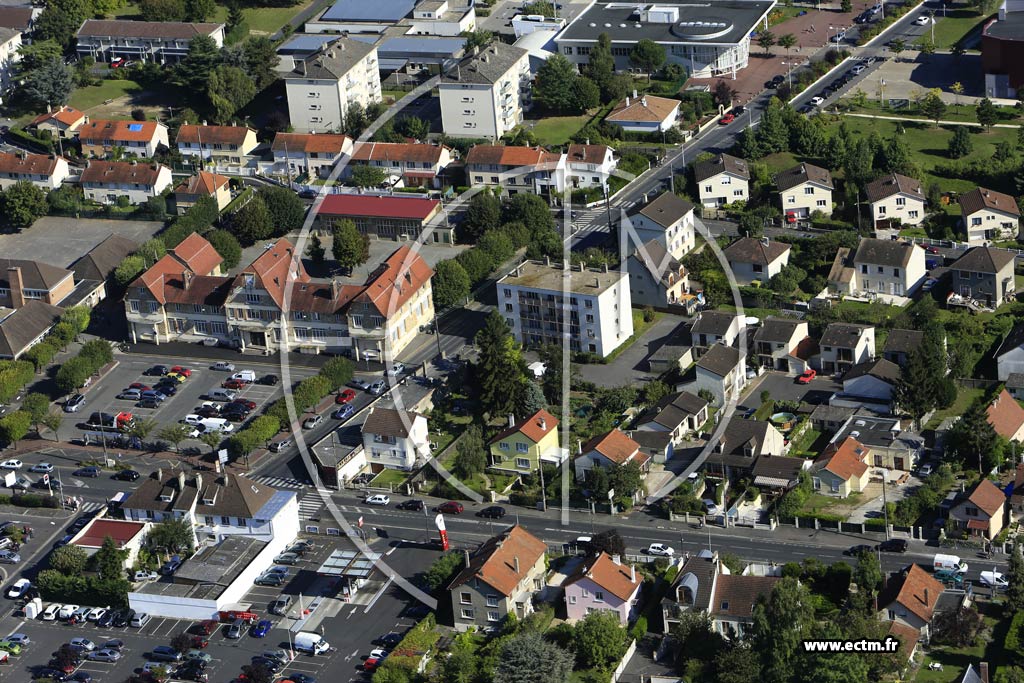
(756,260)
(721,371)
(524,444)
(1010,354)
(981,511)
(99,262)
(499,578)
(45,171)
(844,345)
(216,505)
(891,446)
(226,149)
(417,164)
(589,165)
(803,190)
(160,42)
(304,154)
(395,439)
(603,583)
(1015,385)
(10,55)
(323,87)
(829,419)
(710,328)
(679,414)
(706,586)
(107,181)
(871,384)
(909,598)
(531,298)
(675,352)
(22,281)
(780,344)
(608,451)
(668,219)
(842,468)
(722,180)
(19,18)
(972,674)
(517,170)
(486,93)
(986,275)
(392,217)
(100,137)
(879,268)
(1006,417)
(62,122)
(895,200)
(202,184)
(657,446)
(908,639)
(1016,504)
(656,278)
(989,216)
(899,344)
(645,114)
(743,443)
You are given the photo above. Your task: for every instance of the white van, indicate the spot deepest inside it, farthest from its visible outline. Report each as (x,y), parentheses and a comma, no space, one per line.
(217,424)
(994,580)
(245,375)
(951,562)
(313,643)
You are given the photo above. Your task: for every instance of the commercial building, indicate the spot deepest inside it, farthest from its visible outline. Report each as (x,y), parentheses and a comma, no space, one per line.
(147,41)
(45,171)
(324,86)
(710,39)
(486,93)
(107,181)
(1002,51)
(532,298)
(392,217)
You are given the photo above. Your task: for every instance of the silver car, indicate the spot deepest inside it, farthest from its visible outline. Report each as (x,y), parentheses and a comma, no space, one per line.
(103,656)
(286,558)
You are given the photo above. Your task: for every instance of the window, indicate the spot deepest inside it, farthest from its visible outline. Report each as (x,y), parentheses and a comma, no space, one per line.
(737,193)
(758,268)
(971,511)
(863,269)
(583,50)
(522,463)
(133,305)
(599,596)
(522,448)
(709,188)
(588,303)
(590,317)
(895,272)
(253,298)
(901,201)
(808,190)
(492,600)
(821,202)
(881,270)
(467,613)
(493,616)
(881,210)
(567,50)
(503,445)
(727,180)
(508,308)
(913,214)
(466,598)
(508,293)
(975,221)
(572,599)
(791,199)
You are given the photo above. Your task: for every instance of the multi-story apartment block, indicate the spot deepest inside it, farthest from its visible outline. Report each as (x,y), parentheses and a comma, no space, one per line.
(989,215)
(589,165)
(417,164)
(805,189)
(532,299)
(722,180)
(395,439)
(147,41)
(218,148)
(10,55)
(895,200)
(134,138)
(667,219)
(323,87)
(485,94)
(62,122)
(297,154)
(45,171)
(106,181)
(531,170)
(985,274)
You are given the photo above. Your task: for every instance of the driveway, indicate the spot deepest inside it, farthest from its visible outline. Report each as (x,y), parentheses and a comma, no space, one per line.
(630,367)
(60,241)
(782,387)
(915,73)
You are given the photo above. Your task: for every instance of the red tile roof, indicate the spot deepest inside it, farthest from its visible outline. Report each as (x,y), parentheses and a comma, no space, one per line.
(309,142)
(1005,415)
(121,173)
(495,561)
(534,428)
(397,151)
(203,183)
(846,460)
(102,130)
(395,281)
(121,531)
(210,135)
(917,592)
(413,208)
(613,445)
(906,635)
(988,497)
(198,254)
(509,155)
(615,577)
(645,108)
(273,270)
(69,116)
(35,164)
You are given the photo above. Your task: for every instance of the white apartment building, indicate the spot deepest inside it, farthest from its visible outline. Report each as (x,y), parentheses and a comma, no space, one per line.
(668,219)
(10,44)
(989,215)
(532,301)
(395,439)
(530,170)
(323,86)
(722,180)
(105,181)
(805,189)
(485,94)
(896,200)
(45,171)
(145,41)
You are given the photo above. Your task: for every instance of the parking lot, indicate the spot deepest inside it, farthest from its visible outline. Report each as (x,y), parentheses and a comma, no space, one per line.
(782,387)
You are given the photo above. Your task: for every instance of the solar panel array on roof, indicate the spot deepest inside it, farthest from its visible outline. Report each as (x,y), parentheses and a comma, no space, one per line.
(361,10)
(135,127)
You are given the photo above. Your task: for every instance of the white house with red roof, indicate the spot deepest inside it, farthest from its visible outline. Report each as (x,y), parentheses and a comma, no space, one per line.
(306,154)
(127,535)
(45,171)
(100,137)
(62,122)
(417,164)
(392,217)
(516,169)
(609,450)
(589,165)
(203,184)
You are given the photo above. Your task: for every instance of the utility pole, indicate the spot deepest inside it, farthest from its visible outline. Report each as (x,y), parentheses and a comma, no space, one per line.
(885,504)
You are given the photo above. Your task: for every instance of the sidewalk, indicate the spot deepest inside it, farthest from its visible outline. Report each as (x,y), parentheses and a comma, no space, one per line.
(971,124)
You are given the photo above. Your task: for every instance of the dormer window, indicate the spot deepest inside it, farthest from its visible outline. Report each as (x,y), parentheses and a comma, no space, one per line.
(209,501)
(725,606)
(166,497)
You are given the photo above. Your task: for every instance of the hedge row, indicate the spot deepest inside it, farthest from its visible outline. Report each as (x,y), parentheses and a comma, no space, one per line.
(73,322)
(94,355)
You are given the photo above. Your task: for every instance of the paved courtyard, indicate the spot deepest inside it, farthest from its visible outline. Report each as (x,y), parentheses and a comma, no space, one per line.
(782,387)
(59,241)
(915,74)
(630,366)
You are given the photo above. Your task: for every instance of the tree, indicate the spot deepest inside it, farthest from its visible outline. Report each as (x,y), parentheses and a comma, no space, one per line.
(368,176)
(868,573)
(252,222)
(530,210)
(225,244)
(174,535)
(724,93)
(987,113)
(1009,674)
(896,155)
(608,542)
(193,72)
(599,641)
(586,94)
(1004,151)
(738,664)
(450,284)
(1015,576)
(926,47)
(286,209)
(972,441)
(527,657)
(60,20)
(749,147)
(500,368)
(350,247)
(767,40)
(773,133)
(65,658)
(470,453)
(846,6)
(49,84)
(259,59)
(933,106)
(22,203)
(897,46)
(782,620)
(109,560)
(601,66)
(647,55)
(229,89)
(554,86)
(53,421)
(476,39)
(316,251)
(960,145)
(957,628)
(199,10)
(235,16)
(957,89)
(163,10)
(482,214)
(39,52)
(532,399)
(787,42)
(211,439)
(174,434)
(14,427)
(182,642)
(69,560)
(37,405)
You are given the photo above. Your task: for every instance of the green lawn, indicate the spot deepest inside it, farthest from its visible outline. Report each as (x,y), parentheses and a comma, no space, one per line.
(949,30)
(390,478)
(260,20)
(779,161)
(556,130)
(964,398)
(955,112)
(954,661)
(95,95)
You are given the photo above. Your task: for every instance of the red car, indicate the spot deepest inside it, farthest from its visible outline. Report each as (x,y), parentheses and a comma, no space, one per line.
(206,627)
(233,384)
(727,119)
(933,250)
(372,663)
(199,642)
(140,386)
(180,370)
(345,396)
(451,507)
(808,375)
(249,405)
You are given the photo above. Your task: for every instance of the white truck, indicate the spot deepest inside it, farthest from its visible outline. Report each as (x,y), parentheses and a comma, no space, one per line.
(949,562)
(312,643)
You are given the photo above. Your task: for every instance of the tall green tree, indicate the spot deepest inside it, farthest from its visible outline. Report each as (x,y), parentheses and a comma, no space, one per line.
(960,145)
(69,560)
(229,89)
(260,58)
(647,55)
(173,535)
(972,440)
(470,453)
(599,641)
(109,560)
(501,369)
(554,87)
(896,155)
(349,247)
(199,10)
(60,20)
(316,251)
(163,10)
(933,106)
(528,657)
(366,176)
(482,214)
(286,208)
(450,284)
(772,131)
(868,573)
(787,41)
(782,620)
(767,40)
(193,72)
(14,427)
(252,223)
(601,66)
(476,40)
(48,84)
(1015,577)
(225,244)
(987,113)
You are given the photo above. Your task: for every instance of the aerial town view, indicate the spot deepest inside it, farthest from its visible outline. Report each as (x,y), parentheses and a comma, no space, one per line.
(511,341)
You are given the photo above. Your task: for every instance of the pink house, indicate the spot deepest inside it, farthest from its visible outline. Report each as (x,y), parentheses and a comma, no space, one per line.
(603,583)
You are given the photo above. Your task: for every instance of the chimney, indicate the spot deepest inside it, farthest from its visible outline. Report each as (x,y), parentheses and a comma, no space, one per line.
(199,482)
(17,287)
(926,602)
(643,100)
(515,564)
(632,574)
(579,447)
(181,480)
(335,289)
(547,260)
(186,277)
(159,474)
(634,93)
(597,282)
(511,421)
(627,98)
(465,557)
(617,559)
(606,267)
(983,671)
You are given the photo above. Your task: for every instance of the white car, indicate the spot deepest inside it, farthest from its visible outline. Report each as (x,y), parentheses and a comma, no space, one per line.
(66,611)
(378,388)
(18,589)
(395,370)
(50,613)
(83,643)
(660,550)
(923,20)
(712,506)
(104,656)
(11,464)
(95,613)
(378,499)
(817,101)
(221,365)
(43,467)
(858,70)
(143,575)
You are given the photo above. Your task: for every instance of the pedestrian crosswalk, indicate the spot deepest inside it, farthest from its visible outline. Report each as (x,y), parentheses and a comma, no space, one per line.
(90,505)
(310,506)
(279,482)
(590,220)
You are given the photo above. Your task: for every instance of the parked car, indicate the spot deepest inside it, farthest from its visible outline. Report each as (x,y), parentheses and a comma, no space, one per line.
(312,422)
(359,384)
(858,69)
(130,395)
(165,653)
(156,371)
(18,589)
(104,655)
(50,613)
(377,388)
(83,643)
(660,550)
(171,566)
(42,467)
(726,119)
(395,370)
(344,412)
(145,575)
(243,402)
(269,579)
(12,464)
(106,620)
(74,403)
(280,446)
(233,384)
(492,512)
(378,499)
(857,550)
(269,380)
(817,101)
(808,375)
(181,370)
(127,475)
(287,558)
(413,504)
(893,545)
(261,629)
(95,613)
(345,396)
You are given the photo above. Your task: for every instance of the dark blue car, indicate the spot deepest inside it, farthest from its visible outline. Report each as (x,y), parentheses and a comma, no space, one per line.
(344,412)
(261,629)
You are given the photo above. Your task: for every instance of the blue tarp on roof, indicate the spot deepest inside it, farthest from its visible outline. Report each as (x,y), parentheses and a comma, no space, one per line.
(361,10)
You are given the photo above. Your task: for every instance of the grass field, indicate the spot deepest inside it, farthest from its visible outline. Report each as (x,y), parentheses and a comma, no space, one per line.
(964,398)
(556,130)
(949,30)
(954,661)
(963,112)
(95,95)
(260,20)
